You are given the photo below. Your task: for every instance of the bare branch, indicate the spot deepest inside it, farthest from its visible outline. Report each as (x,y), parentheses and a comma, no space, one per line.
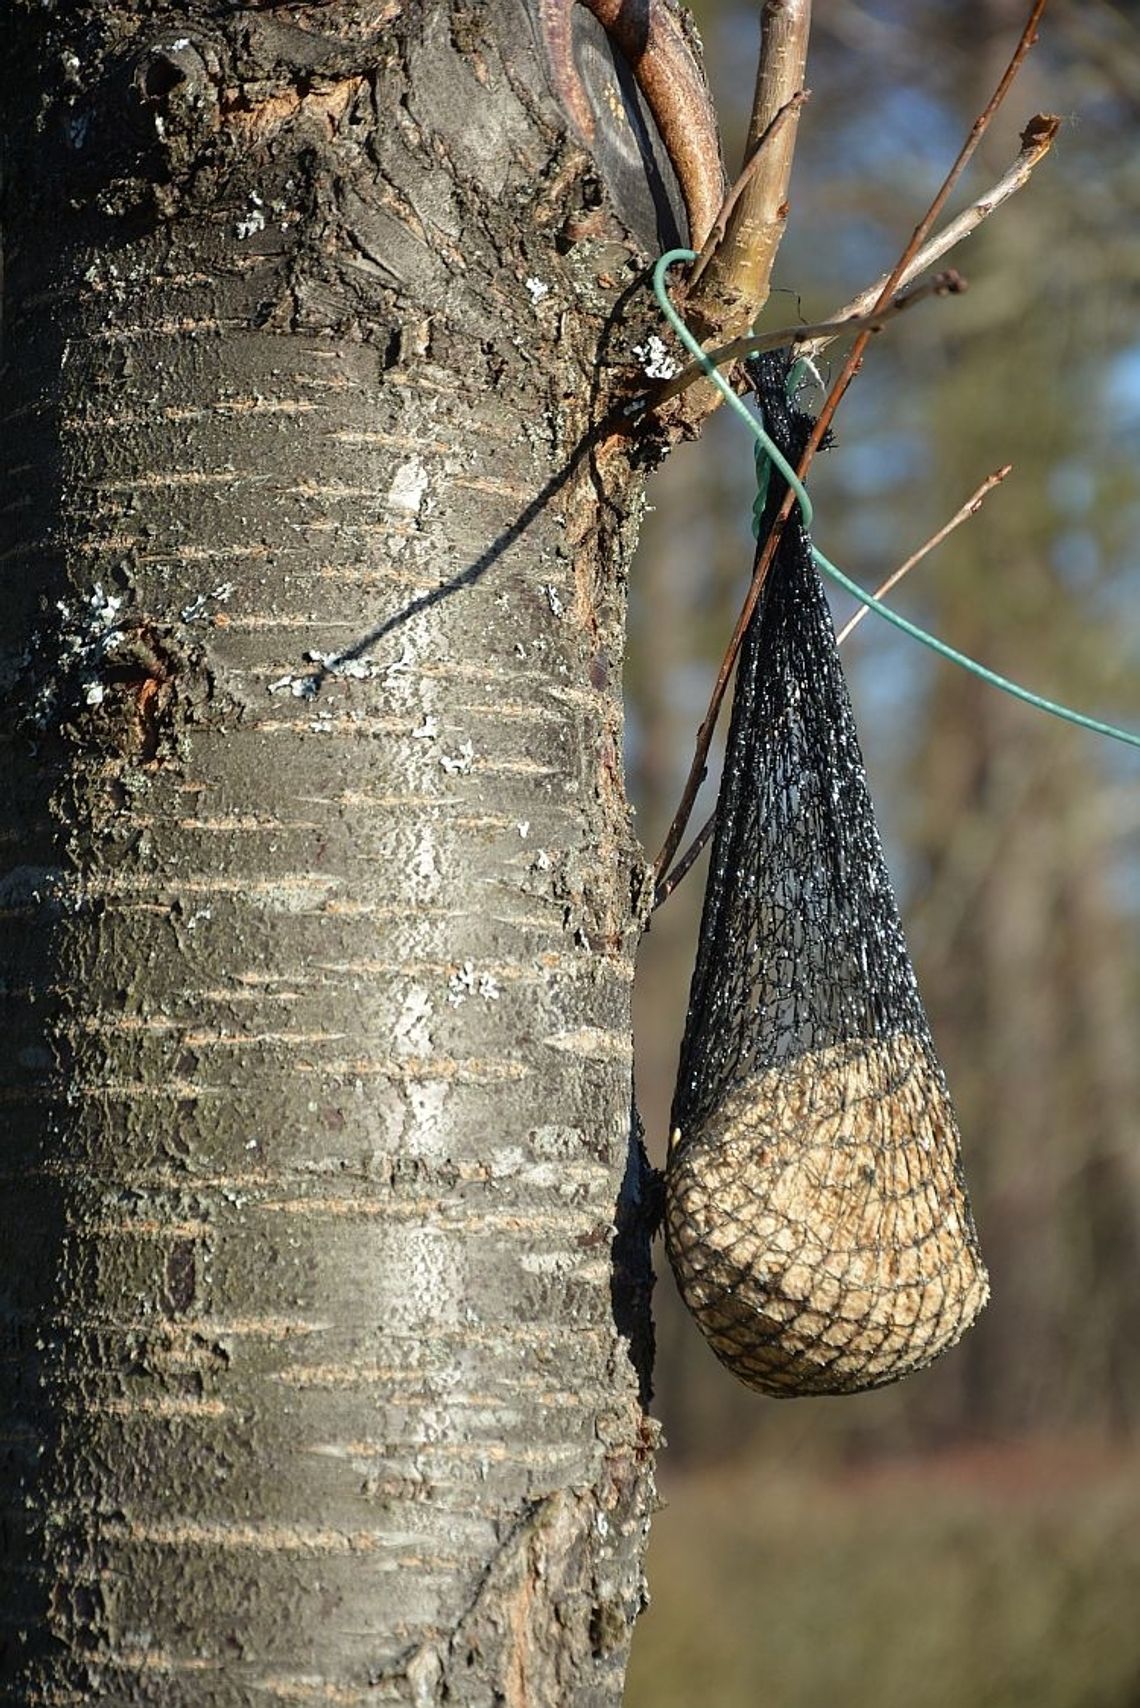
(1036,141)
(847,373)
(860,314)
(685,864)
(971,507)
(817,336)
(652,40)
(734,283)
(748,173)
(654,43)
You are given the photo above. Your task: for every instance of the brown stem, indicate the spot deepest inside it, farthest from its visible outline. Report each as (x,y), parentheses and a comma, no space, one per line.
(748,173)
(1036,140)
(685,864)
(733,287)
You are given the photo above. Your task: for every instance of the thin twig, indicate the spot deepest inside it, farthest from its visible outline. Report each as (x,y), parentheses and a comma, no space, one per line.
(816,336)
(1036,141)
(685,864)
(846,375)
(972,505)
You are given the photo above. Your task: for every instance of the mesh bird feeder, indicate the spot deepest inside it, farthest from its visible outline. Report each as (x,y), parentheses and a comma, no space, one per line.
(817,1219)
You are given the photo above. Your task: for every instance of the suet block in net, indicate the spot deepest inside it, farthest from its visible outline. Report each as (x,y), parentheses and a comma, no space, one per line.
(817,1219)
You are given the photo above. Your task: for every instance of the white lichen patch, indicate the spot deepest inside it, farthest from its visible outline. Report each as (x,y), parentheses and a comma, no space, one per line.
(411,1034)
(409,484)
(546,1262)
(294,685)
(399,672)
(84,636)
(199,606)
(424,1281)
(465,982)
(427,1133)
(423,864)
(328,666)
(461,984)
(344,665)
(301,687)
(536,289)
(253,221)
(458,764)
(559,1142)
(656,362)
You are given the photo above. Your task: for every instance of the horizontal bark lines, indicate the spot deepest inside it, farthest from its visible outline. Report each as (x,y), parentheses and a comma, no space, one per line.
(316,933)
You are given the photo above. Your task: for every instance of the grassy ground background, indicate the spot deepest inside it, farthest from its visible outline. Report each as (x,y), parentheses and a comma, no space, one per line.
(998,1579)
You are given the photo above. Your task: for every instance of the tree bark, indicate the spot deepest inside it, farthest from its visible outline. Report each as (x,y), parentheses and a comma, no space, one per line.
(326,1281)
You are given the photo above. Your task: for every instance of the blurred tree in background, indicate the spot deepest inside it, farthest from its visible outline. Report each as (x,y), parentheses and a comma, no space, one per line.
(1013,839)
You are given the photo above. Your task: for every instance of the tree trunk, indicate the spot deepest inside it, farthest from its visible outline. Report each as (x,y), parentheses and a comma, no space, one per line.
(323,1382)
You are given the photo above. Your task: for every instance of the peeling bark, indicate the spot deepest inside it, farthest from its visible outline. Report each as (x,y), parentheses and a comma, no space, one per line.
(326,1284)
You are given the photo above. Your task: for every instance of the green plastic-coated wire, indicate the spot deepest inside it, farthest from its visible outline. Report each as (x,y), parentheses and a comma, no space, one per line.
(767,452)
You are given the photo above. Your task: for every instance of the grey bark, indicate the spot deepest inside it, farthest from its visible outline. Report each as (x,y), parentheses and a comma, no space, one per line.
(325,1281)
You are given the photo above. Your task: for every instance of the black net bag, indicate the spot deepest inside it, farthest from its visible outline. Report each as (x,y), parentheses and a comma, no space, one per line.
(816,1212)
